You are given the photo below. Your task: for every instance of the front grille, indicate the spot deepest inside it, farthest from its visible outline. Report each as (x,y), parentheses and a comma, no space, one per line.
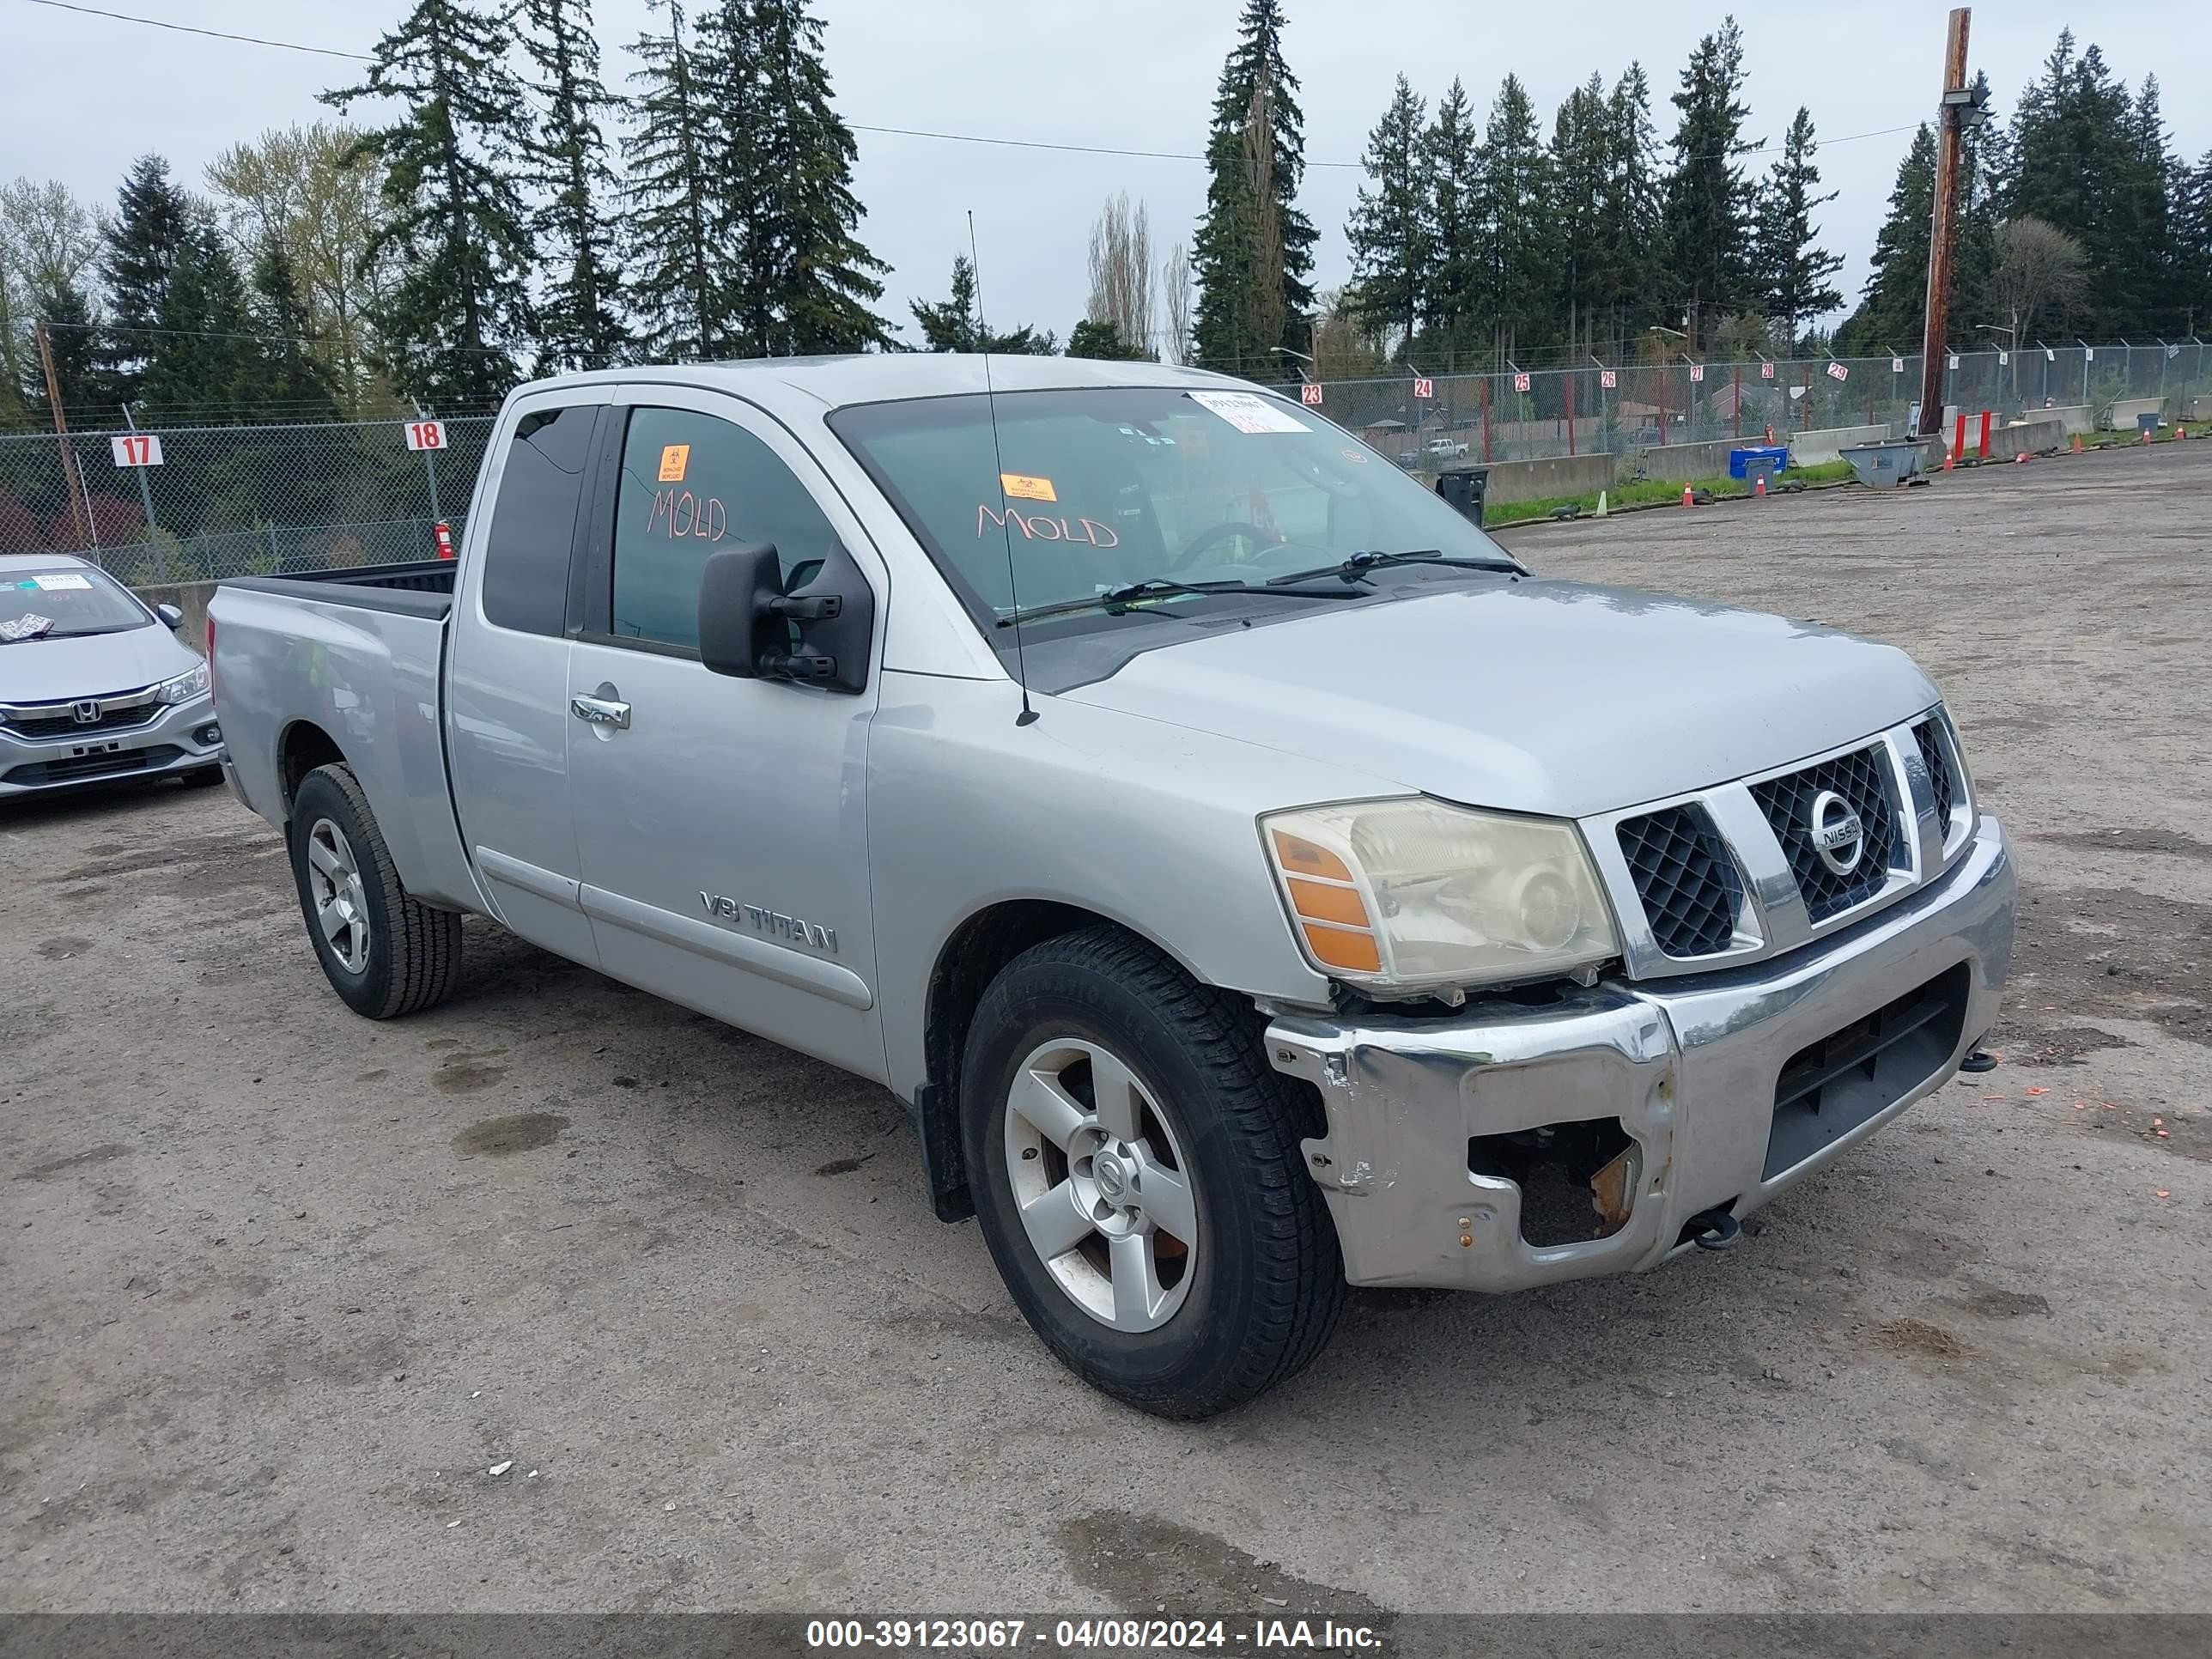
(1685,878)
(79,768)
(1939,772)
(1862,778)
(1828,1088)
(63,724)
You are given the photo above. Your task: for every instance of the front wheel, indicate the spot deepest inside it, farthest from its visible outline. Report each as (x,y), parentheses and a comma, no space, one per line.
(384,952)
(1138,1179)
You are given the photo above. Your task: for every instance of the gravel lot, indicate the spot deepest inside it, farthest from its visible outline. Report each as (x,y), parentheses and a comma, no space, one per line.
(278,1285)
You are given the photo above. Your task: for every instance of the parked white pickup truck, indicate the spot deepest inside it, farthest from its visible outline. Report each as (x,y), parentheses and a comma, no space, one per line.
(1253,879)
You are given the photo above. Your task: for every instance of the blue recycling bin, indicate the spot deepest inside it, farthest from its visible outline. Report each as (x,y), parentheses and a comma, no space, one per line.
(1777,455)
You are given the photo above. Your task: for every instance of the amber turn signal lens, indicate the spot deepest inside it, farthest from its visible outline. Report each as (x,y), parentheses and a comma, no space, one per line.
(1300,857)
(1317,902)
(1338,948)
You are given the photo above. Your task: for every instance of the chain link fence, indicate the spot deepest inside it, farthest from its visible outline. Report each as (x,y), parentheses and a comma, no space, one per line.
(235,500)
(1420,421)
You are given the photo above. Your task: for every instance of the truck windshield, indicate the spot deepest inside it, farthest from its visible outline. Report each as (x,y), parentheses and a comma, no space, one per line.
(55,604)
(1096,488)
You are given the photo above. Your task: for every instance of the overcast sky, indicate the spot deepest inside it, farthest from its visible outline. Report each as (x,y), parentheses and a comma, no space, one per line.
(81,96)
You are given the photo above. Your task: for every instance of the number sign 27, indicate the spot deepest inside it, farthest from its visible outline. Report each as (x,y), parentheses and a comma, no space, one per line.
(426,435)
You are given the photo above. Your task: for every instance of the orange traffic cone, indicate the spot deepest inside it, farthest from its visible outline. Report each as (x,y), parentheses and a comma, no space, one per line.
(1687,500)
(1759,485)
(2077,443)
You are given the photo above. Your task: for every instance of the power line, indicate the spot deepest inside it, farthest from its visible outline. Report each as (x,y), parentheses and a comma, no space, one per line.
(913,133)
(217,35)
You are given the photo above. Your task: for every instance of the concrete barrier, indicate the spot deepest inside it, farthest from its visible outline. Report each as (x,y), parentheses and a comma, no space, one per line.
(2076,417)
(1827,443)
(2120,417)
(192,599)
(1681,463)
(2045,430)
(1561,475)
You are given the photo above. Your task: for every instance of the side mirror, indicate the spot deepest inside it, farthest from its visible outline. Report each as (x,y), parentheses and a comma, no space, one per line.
(750,628)
(171,616)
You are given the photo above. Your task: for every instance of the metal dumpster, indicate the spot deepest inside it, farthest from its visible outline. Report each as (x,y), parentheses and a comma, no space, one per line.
(1893,461)
(1464,487)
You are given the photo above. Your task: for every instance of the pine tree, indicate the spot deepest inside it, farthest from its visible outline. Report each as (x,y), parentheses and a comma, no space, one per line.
(286,381)
(204,364)
(580,319)
(1450,320)
(1391,257)
(1252,252)
(152,225)
(2192,240)
(812,281)
(1581,165)
(1708,202)
(72,335)
(956,323)
(1794,270)
(1893,310)
(671,198)
(1631,220)
(454,217)
(2072,164)
(1513,211)
(1102,338)
(2147,277)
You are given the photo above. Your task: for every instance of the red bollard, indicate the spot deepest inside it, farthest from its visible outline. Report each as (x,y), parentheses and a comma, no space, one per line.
(1985,434)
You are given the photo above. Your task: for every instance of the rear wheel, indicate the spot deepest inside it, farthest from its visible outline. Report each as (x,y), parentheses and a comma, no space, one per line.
(384,952)
(1138,1179)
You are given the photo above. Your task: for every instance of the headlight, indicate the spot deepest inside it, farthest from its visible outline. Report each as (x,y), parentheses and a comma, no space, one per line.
(184,688)
(1406,897)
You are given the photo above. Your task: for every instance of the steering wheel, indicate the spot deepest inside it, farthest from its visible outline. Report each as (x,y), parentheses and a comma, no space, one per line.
(1218,533)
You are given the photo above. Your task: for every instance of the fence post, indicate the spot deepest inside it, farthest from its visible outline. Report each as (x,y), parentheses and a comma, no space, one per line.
(430,466)
(146,506)
(1484,384)
(1571,414)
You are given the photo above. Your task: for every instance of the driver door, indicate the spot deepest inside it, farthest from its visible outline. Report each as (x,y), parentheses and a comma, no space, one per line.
(721,823)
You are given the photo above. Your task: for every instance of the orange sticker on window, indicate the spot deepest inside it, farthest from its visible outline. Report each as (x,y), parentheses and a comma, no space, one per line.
(674,458)
(1022,487)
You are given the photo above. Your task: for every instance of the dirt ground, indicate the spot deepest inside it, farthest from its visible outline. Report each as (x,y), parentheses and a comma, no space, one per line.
(278,1286)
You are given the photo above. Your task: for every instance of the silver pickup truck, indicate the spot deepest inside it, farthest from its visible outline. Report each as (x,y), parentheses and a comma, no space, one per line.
(1253,879)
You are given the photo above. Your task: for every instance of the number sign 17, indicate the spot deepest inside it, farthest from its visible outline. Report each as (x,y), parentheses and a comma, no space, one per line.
(426,435)
(137,449)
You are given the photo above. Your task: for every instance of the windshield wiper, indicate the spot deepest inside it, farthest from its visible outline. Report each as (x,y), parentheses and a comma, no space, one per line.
(1129,594)
(1358,564)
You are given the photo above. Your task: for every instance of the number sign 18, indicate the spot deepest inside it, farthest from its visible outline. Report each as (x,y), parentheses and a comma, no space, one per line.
(426,435)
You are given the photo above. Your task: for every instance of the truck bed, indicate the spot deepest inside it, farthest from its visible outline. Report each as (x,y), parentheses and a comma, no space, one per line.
(348,663)
(422,588)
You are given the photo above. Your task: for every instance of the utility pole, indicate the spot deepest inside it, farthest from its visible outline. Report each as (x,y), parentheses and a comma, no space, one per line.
(1956,113)
(78,513)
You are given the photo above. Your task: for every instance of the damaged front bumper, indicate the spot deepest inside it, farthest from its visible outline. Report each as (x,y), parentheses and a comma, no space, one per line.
(1720,1090)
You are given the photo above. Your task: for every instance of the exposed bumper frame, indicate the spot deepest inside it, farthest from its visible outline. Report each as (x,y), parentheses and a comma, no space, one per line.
(1688,1067)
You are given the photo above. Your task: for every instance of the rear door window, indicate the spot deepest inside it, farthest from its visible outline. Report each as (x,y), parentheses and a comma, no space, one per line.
(533,524)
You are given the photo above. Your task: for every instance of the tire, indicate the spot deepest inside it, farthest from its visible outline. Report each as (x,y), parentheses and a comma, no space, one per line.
(1257,1292)
(409,958)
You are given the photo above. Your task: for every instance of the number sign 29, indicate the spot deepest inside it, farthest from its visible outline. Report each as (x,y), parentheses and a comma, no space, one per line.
(426,435)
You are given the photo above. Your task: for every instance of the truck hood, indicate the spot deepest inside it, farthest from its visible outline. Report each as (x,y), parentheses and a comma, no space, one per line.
(90,664)
(1530,696)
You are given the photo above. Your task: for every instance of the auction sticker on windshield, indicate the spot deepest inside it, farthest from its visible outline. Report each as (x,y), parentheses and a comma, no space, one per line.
(1249,412)
(1023,487)
(62,581)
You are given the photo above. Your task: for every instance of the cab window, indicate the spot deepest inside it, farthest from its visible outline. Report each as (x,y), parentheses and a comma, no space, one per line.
(533,525)
(692,485)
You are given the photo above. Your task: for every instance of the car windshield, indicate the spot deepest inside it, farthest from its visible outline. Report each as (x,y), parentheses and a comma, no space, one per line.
(1081,492)
(68,602)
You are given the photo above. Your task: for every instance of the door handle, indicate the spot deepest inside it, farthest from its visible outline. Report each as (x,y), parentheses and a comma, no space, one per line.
(600,711)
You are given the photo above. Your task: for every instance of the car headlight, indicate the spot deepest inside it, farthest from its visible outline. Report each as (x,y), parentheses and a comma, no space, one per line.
(1409,897)
(184,688)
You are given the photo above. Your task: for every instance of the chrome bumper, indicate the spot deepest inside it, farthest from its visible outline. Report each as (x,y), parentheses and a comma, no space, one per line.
(38,766)
(1689,1066)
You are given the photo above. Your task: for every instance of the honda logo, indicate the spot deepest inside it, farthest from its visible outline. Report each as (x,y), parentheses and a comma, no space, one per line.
(87,713)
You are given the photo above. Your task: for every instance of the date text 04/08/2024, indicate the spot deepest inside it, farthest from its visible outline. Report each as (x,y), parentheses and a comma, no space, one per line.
(1089,1635)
